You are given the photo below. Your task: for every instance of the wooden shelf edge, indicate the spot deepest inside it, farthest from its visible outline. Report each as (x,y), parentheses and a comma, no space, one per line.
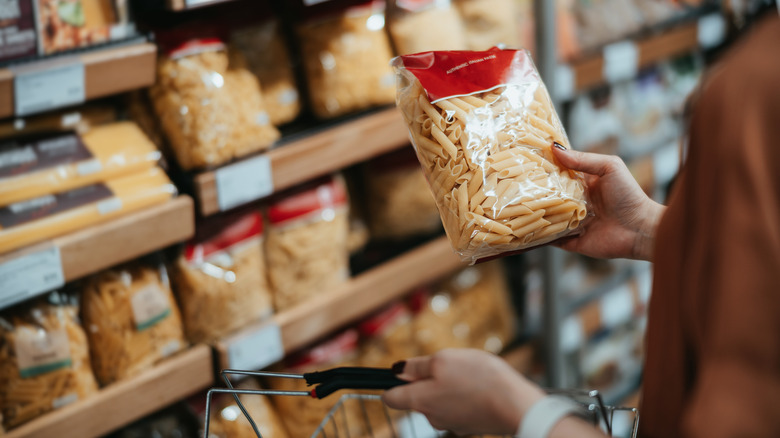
(358,297)
(107,71)
(319,154)
(124,402)
(181,5)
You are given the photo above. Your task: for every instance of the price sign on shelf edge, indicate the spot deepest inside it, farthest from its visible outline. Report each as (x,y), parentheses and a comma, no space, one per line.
(48,85)
(257,349)
(29,275)
(243,182)
(621,61)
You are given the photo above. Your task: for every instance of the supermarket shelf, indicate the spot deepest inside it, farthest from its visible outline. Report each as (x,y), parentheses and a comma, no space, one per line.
(121,403)
(107,71)
(125,238)
(318,154)
(185,5)
(333,309)
(615,279)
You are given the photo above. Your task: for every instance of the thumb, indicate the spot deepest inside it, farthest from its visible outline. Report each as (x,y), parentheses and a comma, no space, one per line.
(594,164)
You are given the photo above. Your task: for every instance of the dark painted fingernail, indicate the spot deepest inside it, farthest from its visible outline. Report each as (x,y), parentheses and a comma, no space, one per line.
(399,366)
(559,146)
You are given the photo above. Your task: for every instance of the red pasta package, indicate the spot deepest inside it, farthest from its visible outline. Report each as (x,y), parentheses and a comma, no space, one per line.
(483,126)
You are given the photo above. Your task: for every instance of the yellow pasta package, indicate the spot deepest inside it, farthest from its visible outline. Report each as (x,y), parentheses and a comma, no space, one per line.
(44,359)
(483,127)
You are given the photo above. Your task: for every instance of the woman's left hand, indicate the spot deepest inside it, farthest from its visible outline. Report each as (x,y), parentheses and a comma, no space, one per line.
(465,391)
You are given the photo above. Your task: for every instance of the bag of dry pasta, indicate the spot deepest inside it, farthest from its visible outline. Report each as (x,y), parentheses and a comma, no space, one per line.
(434,321)
(227,420)
(483,126)
(45,359)
(306,242)
(131,319)
(345,58)
(423,25)
(387,337)
(209,105)
(267,57)
(488,23)
(398,200)
(302,415)
(220,279)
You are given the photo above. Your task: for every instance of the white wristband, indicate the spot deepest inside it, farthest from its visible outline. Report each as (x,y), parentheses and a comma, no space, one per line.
(543,415)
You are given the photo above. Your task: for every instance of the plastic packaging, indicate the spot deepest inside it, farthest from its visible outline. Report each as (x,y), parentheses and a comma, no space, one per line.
(78,23)
(210,106)
(345,58)
(399,202)
(48,216)
(419,26)
(302,415)
(47,164)
(387,337)
(434,321)
(306,244)
(131,319)
(80,119)
(44,359)
(483,126)
(227,420)
(488,23)
(220,279)
(266,55)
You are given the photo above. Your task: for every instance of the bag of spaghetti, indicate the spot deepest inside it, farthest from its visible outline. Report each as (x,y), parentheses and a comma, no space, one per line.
(345,53)
(306,243)
(220,279)
(131,319)
(44,359)
(483,127)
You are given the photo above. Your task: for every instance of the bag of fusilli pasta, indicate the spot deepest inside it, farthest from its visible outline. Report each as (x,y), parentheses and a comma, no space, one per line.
(483,126)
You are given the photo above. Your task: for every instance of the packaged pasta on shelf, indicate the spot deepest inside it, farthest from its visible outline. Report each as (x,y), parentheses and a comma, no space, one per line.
(44,164)
(397,197)
(302,415)
(220,279)
(227,420)
(263,47)
(79,119)
(423,25)
(45,360)
(26,222)
(434,321)
(306,242)
(483,127)
(345,58)
(209,105)
(387,337)
(131,319)
(488,23)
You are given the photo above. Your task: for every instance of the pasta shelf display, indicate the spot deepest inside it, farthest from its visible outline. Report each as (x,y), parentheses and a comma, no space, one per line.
(483,126)
(422,25)
(220,279)
(44,359)
(131,319)
(227,420)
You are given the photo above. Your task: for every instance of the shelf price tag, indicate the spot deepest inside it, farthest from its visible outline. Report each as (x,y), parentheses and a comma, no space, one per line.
(711,30)
(257,349)
(565,83)
(243,182)
(621,61)
(48,85)
(572,334)
(29,275)
(617,307)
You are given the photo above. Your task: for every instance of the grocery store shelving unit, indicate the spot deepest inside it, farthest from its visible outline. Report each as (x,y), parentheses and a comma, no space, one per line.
(185,5)
(359,296)
(310,156)
(126,401)
(107,71)
(127,237)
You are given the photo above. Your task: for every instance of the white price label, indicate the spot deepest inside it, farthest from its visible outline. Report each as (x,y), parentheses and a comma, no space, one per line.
(711,30)
(572,334)
(29,275)
(244,182)
(45,86)
(621,61)
(256,350)
(617,307)
(565,83)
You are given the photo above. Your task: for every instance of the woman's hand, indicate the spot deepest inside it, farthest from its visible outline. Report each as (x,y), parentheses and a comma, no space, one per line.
(625,219)
(465,391)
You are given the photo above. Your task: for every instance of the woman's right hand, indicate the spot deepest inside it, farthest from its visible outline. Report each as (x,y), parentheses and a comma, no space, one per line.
(625,219)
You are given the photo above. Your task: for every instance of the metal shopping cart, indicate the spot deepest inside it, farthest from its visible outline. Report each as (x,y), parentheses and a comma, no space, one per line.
(358,411)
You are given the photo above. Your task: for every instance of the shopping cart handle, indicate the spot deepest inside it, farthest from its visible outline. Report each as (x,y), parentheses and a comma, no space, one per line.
(336,379)
(347,373)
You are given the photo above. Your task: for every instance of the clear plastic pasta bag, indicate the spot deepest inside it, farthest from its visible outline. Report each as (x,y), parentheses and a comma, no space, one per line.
(483,126)
(220,279)
(44,359)
(416,26)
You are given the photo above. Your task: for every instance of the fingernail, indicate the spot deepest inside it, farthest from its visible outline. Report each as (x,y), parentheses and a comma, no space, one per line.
(399,366)
(559,146)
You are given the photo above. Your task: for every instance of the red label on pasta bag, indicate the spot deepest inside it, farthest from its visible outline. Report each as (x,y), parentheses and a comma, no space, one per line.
(222,233)
(332,351)
(457,73)
(308,200)
(379,322)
